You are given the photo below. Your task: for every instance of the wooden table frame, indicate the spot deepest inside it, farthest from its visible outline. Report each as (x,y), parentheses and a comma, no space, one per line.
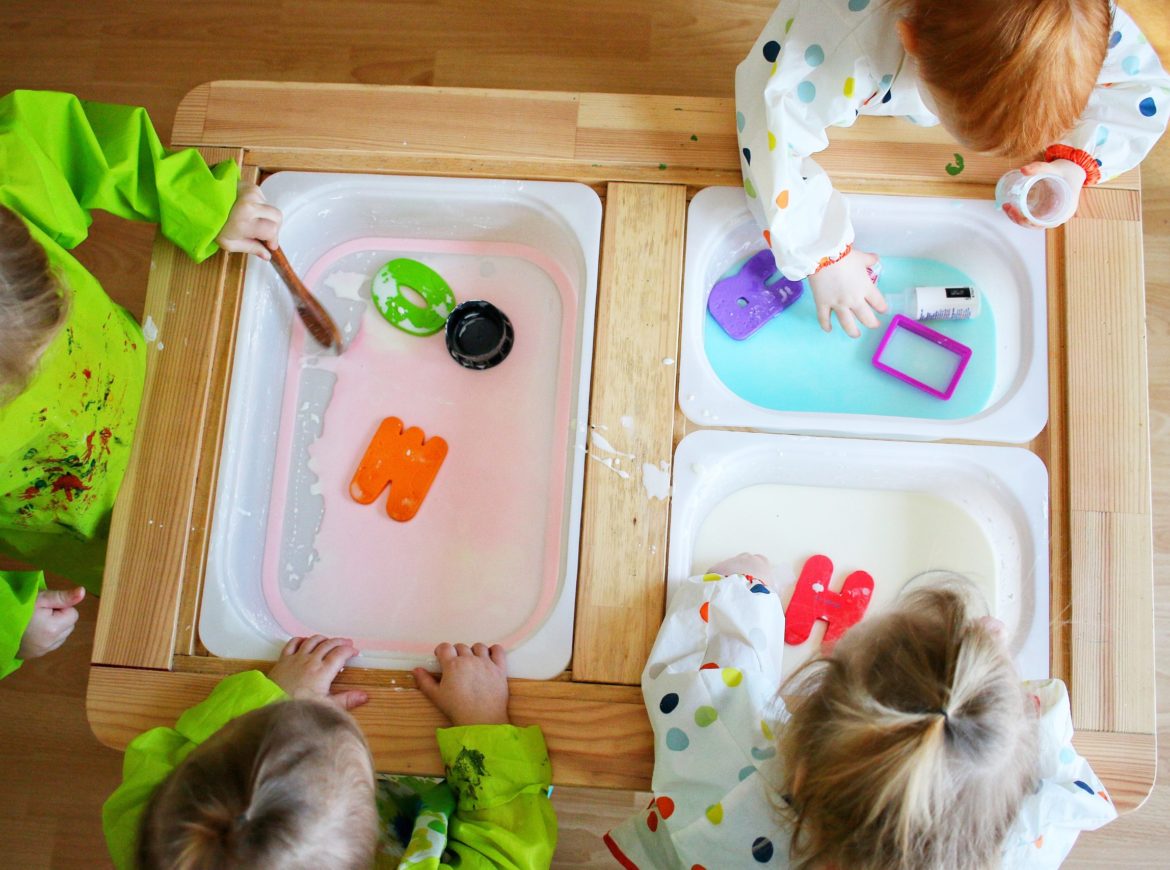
(645,156)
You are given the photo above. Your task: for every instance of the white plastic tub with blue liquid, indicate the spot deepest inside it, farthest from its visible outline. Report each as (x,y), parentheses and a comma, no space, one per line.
(792,377)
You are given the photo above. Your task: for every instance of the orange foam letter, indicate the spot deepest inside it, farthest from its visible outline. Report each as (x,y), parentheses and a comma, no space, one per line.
(404,462)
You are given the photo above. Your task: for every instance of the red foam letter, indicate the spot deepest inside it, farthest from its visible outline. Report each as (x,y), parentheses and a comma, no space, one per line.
(812,600)
(402,461)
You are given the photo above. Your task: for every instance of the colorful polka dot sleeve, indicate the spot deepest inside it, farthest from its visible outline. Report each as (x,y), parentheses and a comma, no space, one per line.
(710,688)
(1128,110)
(816,65)
(1069,799)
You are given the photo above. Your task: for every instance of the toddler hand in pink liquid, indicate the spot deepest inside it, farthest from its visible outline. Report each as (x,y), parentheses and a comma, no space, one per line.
(473,686)
(308,666)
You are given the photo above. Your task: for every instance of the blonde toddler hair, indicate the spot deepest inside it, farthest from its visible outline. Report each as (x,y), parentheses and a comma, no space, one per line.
(290,785)
(32,304)
(1015,74)
(911,745)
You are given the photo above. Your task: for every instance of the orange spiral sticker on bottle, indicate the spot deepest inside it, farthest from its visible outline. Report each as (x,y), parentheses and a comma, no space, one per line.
(407,462)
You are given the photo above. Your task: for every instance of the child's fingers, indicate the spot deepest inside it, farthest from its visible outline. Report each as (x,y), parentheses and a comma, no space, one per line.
(480,650)
(427,684)
(67,617)
(262,211)
(876,300)
(323,649)
(1014,214)
(264,230)
(291,646)
(499,655)
(462,649)
(59,599)
(340,654)
(868,259)
(246,246)
(350,699)
(312,643)
(866,316)
(1037,167)
(845,318)
(823,317)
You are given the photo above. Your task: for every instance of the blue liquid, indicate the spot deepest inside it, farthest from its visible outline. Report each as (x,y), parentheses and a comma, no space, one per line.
(791,365)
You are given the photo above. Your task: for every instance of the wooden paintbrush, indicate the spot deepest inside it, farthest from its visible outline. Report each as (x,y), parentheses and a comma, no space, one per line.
(316,319)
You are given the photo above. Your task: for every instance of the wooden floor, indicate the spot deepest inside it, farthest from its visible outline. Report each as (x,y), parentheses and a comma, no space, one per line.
(53,774)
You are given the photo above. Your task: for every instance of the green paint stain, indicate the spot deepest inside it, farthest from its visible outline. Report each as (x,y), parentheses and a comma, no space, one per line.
(694,138)
(661,165)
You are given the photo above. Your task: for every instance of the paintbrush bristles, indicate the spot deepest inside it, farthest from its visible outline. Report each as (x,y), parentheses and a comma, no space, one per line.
(314,316)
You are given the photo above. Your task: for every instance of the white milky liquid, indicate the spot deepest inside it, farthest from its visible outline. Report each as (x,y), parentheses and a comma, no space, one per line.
(893,535)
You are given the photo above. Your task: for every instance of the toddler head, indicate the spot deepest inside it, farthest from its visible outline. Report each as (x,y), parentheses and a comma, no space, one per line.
(911,745)
(290,785)
(32,306)
(1009,76)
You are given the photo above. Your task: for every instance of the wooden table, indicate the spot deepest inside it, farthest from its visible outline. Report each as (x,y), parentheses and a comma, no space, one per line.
(645,156)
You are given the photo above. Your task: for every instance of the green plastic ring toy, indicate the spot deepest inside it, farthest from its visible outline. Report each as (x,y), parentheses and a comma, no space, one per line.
(403,312)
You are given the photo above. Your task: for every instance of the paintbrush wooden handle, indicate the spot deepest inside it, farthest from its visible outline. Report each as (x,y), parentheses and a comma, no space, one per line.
(316,319)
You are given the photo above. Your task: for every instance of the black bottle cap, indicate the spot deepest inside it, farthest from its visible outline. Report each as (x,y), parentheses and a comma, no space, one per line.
(479,335)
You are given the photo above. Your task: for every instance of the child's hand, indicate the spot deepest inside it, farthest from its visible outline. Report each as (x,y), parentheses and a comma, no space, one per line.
(308,666)
(846,288)
(473,687)
(54,616)
(745,563)
(1066,169)
(252,225)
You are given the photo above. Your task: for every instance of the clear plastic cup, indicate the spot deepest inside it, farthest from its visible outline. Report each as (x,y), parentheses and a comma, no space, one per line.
(1044,200)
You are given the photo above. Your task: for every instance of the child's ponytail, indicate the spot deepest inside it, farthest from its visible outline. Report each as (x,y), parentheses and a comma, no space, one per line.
(910,746)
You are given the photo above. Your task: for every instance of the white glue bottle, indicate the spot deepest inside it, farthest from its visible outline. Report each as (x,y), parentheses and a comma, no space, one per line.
(1044,200)
(952,302)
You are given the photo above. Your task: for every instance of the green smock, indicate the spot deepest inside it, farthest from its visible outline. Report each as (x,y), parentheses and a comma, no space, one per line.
(65,440)
(492,811)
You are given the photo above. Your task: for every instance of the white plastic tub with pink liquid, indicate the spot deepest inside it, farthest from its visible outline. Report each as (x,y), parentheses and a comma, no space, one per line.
(491,554)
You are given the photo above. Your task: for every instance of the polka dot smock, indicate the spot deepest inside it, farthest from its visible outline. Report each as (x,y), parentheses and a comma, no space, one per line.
(821,63)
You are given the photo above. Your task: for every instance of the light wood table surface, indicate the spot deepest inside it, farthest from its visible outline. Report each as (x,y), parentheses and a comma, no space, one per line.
(153,52)
(644,155)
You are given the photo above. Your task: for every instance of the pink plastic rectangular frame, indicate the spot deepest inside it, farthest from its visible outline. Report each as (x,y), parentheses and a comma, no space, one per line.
(960,350)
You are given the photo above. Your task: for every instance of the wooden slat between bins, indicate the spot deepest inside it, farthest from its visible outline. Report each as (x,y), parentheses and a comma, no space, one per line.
(621,584)
(148,538)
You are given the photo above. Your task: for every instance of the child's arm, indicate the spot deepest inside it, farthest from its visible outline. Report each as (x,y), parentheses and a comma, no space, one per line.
(784,107)
(19,591)
(83,155)
(501,774)
(710,689)
(1127,112)
(306,668)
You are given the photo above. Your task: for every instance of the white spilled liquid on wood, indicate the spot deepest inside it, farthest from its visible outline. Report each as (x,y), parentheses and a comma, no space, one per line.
(891,534)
